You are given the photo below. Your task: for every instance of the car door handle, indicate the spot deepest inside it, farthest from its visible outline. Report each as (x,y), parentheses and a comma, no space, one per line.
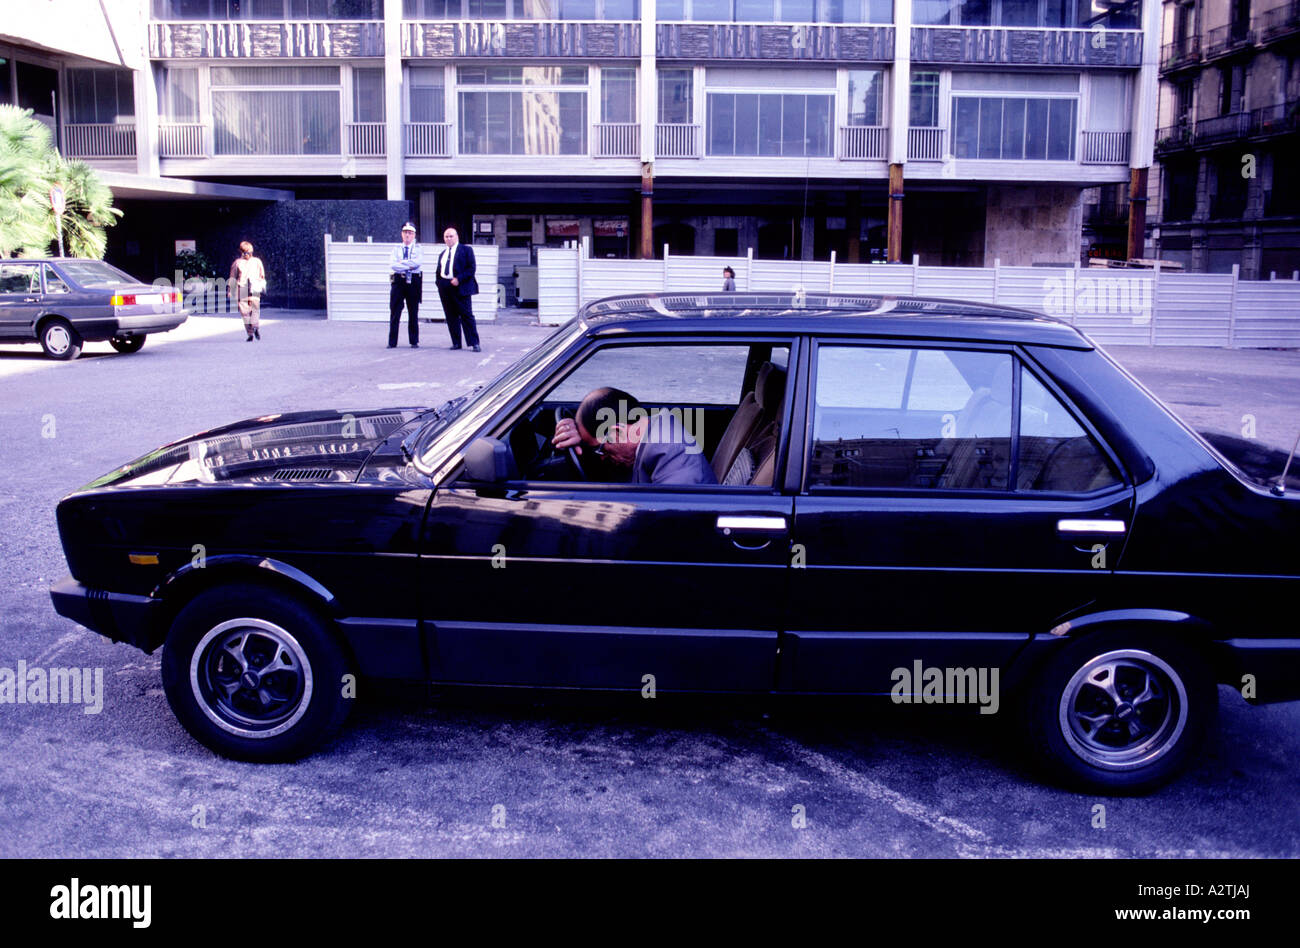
(32,299)
(1090,527)
(735,524)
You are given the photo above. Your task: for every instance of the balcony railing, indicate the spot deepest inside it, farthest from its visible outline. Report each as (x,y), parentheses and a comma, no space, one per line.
(1272,120)
(180,140)
(1225,39)
(926,144)
(618,140)
(366,139)
(1228,127)
(428,139)
(677,141)
(1105,148)
(111,140)
(1283,119)
(1182,52)
(1278,22)
(867,142)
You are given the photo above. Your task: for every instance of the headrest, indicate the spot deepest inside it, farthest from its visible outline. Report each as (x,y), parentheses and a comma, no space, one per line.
(769,388)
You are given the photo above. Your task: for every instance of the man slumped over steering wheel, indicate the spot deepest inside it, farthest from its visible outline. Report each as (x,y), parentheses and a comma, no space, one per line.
(657,448)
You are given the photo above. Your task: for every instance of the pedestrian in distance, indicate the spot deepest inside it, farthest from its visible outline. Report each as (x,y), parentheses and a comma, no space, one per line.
(728,280)
(456,288)
(406,265)
(246,284)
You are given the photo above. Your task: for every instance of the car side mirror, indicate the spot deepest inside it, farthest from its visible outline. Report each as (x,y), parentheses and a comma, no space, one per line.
(489,461)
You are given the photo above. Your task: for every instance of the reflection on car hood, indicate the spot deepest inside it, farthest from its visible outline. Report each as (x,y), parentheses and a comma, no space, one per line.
(298,447)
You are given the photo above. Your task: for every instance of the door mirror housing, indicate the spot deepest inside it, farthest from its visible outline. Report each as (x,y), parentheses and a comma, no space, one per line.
(489,461)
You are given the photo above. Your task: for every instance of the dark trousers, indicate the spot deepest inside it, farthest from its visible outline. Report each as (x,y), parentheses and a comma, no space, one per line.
(408,293)
(459,308)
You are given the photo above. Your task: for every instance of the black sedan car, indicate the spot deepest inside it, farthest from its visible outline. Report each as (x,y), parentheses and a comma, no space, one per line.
(65,302)
(930,501)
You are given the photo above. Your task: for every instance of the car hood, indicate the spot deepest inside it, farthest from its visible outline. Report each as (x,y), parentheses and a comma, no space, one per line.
(297,447)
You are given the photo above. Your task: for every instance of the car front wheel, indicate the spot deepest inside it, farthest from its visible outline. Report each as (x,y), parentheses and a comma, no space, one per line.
(254,674)
(1117,713)
(59,340)
(127,344)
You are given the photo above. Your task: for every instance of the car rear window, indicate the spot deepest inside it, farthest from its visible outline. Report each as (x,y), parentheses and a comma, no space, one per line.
(92,273)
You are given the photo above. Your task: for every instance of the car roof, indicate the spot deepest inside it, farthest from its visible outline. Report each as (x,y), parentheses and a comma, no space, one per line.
(846,314)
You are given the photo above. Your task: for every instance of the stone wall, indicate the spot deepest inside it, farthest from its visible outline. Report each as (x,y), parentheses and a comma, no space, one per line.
(1031,223)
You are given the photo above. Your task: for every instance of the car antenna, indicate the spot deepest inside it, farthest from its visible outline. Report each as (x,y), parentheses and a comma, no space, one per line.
(1279,486)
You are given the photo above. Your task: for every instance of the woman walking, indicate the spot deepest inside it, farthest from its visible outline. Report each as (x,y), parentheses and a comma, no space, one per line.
(247,283)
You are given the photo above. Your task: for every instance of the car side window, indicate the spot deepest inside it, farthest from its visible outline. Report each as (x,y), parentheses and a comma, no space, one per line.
(911,418)
(661,375)
(53,282)
(18,278)
(1055,452)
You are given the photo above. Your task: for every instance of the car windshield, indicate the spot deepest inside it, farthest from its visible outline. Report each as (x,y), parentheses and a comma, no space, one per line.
(90,273)
(425,443)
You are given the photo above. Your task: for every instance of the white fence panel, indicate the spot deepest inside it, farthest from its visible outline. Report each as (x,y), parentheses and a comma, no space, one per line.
(602,277)
(974,284)
(357,284)
(1194,309)
(1268,314)
(1114,307)
(557,285)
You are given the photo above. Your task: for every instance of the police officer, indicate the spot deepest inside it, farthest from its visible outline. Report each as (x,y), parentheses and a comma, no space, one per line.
(406,265)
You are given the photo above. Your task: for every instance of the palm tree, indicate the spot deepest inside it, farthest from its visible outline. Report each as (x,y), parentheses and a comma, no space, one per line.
(29,167)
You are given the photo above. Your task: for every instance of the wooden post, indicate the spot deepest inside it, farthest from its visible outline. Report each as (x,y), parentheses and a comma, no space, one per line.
(854,225)
(1137,212)
(647,211)
(895,253)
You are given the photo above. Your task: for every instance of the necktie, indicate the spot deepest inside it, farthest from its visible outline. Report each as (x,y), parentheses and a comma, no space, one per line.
(406,253)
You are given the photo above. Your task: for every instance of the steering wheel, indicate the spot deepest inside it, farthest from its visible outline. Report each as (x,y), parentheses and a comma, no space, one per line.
(560,413)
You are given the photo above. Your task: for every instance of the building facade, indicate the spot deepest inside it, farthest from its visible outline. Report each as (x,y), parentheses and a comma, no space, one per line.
(959,131)
(1228,143)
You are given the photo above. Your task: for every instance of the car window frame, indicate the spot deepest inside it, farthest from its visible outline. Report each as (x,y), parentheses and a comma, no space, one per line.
(1020,359)
(524,401)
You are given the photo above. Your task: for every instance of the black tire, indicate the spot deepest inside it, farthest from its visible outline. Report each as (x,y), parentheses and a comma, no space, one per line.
(59,340)
(1088,740)
(279,715)
(128,344)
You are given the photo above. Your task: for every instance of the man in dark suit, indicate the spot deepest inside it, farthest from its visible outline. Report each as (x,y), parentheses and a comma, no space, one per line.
(456,288)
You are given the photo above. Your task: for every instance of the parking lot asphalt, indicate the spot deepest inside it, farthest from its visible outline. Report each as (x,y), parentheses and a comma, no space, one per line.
(520,774)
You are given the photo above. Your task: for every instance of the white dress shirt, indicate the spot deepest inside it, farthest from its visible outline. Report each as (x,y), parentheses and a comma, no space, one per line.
(407,260)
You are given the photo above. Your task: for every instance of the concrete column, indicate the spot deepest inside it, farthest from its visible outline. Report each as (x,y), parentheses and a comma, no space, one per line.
(900,80)
(393,144)
(649,114)
(1137,212)
(146,121)
(647,210)
(895,252)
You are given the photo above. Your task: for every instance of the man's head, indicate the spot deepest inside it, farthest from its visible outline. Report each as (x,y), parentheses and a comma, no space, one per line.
(408,234)
(245,249)
(608,420)
(450,237)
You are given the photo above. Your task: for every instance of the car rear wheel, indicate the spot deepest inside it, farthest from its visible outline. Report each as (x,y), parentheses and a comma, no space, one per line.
(127,344)
(59,340)
(254,674)
(1120,713)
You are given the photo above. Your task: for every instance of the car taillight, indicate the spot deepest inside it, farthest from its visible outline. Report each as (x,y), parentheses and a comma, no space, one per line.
(120,300)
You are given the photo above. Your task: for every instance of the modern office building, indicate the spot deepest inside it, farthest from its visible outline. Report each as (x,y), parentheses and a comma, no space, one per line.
(961,131)
(1228,143)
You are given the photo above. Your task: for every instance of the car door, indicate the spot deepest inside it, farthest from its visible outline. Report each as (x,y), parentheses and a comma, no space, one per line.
(952,506)
(20,299)
(610,584)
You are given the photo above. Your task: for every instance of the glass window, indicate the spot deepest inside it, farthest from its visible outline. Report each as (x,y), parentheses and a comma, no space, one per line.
(990,127)
(911,418)
(427,94)
(99,96)
(975,12)
(661,375)
(924,105)
(22,279)
(711,11)
(251,116)
(179,94)
(797,11)
(539,119)
(866,95)
(743,123)
(1055,452)
(617,95)
(931,12)
(675,97)
(755,11)
(53,282)
(367,95)
(1019,12)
